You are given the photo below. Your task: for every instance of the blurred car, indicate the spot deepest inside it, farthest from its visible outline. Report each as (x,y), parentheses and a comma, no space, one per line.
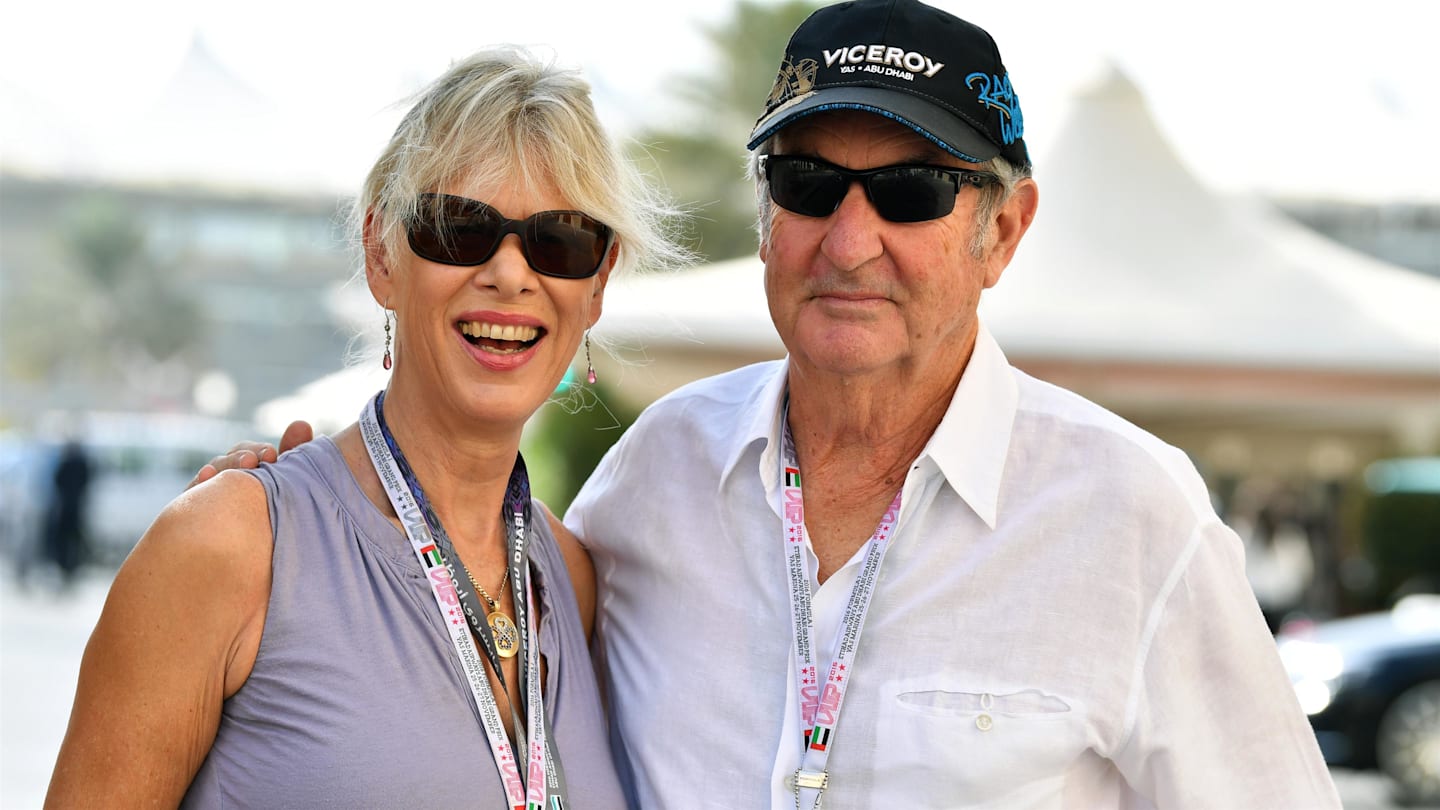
(139,462)
(25,467)
(1371,687)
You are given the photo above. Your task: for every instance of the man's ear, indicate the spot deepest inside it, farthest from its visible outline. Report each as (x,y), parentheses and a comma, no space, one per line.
(1011,223)
(377,266)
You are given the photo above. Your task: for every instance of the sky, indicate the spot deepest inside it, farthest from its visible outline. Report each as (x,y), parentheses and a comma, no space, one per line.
(1282,97)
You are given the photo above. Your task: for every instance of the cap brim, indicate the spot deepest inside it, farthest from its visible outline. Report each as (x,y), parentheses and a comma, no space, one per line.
(934,123)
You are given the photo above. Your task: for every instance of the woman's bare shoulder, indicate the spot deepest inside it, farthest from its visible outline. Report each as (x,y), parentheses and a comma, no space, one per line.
(224,521)
(211,546)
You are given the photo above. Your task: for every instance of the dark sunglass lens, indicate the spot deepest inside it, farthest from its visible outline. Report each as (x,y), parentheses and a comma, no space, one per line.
(454,230)
(805,187)
(424,232)
(913,193)
(475,232)
(567,244)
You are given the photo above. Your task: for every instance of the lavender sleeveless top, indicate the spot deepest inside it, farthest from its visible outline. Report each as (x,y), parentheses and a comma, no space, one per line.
(357,699)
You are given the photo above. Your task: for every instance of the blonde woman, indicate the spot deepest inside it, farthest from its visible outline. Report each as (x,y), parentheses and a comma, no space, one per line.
(384,618)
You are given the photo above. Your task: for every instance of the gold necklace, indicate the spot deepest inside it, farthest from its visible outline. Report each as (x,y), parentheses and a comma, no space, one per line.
(502,629)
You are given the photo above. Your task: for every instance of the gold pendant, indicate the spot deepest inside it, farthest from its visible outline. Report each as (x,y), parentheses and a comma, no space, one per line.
(505,633)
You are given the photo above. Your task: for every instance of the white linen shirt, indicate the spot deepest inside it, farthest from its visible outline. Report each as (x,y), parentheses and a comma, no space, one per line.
(1061,620)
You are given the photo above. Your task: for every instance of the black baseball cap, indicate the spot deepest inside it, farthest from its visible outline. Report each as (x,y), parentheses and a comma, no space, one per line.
(907,61)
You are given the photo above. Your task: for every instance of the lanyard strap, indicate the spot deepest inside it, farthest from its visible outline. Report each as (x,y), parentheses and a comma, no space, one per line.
(457,602)
(517,503)
(820,701)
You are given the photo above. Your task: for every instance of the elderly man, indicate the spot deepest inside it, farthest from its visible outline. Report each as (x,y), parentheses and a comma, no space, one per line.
(892,570)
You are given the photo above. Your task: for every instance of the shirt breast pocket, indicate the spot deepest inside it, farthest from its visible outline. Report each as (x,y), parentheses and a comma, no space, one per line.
(973,747)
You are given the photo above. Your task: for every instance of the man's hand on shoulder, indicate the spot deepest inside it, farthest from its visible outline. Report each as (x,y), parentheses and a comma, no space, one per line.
(248,455)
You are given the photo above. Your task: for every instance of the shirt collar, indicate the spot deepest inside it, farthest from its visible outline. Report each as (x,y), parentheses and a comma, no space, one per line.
(969,447)
(973,439)
(766,409)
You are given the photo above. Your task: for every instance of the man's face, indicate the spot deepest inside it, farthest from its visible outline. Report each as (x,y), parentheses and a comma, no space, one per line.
(852,293)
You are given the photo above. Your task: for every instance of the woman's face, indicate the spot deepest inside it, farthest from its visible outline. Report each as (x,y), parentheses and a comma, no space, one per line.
(488,342)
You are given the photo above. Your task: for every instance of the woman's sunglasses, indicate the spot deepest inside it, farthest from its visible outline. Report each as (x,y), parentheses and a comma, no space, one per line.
(461,231)
(917,193)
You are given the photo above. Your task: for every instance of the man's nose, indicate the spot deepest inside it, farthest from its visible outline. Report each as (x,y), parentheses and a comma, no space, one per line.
(852,237)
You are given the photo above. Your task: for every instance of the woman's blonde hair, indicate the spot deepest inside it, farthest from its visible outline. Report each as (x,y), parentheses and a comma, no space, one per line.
(505,116)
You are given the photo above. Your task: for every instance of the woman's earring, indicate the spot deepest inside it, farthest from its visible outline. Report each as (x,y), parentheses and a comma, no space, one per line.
(386,361)
(590,373)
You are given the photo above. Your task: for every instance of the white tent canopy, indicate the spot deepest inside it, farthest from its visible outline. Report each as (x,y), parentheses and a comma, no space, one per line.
(328,404)
(1130,258)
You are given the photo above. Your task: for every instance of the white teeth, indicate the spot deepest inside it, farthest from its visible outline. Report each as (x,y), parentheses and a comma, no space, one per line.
(481,329)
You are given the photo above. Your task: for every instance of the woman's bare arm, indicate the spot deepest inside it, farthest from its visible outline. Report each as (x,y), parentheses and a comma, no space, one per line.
(178,634)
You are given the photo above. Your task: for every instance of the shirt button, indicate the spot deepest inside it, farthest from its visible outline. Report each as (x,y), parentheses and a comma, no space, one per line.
(984,723)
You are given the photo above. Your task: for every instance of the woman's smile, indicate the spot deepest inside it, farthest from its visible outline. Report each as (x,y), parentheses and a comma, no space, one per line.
(500,339)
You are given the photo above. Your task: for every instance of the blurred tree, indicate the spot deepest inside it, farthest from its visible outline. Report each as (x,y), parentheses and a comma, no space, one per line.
(1402,537)
(166,320)
(121,308)
(572,434)
(105,239)
(148,307)
(701,157)
(36,342)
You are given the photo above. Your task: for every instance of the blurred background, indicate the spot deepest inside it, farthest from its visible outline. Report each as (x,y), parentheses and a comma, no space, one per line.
(1238,248)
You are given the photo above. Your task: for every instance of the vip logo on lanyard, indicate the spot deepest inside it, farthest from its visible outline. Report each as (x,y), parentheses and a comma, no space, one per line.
(431,547)
(820,705)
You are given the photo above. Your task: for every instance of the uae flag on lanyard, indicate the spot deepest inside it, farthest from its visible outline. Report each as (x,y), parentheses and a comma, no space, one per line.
(819,738)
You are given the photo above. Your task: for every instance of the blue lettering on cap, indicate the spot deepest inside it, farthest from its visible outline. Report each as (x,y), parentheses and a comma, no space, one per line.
(996,93)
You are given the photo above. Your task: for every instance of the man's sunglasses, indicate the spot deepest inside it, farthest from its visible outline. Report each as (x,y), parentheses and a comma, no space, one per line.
(461,231)
(915,193)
